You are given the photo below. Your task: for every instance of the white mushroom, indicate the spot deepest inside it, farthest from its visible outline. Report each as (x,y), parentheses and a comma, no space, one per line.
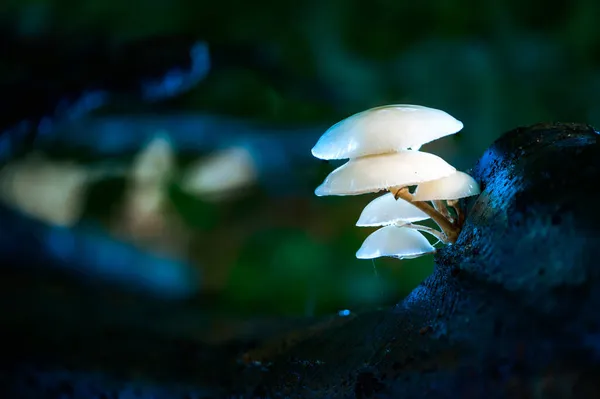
(50,191)
(146,197)
(221,174)
(375,173)
(385,129)
(154,162)
(396,242)
(386,210)
(455,186)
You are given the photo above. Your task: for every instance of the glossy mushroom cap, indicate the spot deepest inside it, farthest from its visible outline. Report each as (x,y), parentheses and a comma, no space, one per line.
(455,186)
(396,242)
(385,129)
(386,210)
(379,172)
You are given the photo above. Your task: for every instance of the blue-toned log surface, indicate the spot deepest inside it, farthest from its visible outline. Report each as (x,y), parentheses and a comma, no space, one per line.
(510,311)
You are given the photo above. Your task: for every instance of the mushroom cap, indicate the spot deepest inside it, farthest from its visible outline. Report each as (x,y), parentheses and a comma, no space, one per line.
(222,172)
(385,129)
(50,191)
(155,161)
(386,210)
(395,242)
(378,172)
(452,187)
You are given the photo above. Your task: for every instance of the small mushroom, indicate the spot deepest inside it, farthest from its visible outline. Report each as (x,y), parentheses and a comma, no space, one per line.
(221,174)
(455,186)
(386,210)
(396,242)
(154,163)
(371,174)
(146,204)
(385,129)
(50,191)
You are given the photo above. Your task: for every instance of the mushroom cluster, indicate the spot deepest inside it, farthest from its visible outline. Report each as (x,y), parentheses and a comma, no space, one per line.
(382,147)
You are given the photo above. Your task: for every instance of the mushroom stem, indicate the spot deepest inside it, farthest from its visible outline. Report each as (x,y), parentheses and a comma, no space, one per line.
(460,216)
(441,207)
(436,233)
(450,230)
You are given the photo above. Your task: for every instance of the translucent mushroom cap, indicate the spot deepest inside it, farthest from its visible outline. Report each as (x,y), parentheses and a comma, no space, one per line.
(385,129)
(378,172)
(386,210)
(396,242)
(452,187)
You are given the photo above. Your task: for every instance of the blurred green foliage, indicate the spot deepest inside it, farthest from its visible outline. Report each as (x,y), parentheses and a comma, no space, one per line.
(494,65)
